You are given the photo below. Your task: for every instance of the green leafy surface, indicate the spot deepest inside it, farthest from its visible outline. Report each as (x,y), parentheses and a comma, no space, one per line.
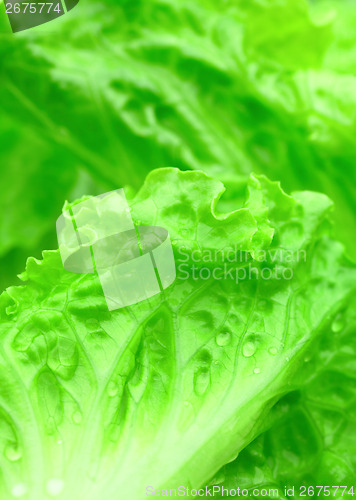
(166,391)
(311,435)
(140,86)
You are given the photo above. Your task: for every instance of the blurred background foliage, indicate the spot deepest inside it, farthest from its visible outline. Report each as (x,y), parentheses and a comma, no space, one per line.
(98,98)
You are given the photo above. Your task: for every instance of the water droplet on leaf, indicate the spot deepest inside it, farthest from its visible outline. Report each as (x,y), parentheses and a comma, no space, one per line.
(338,324)
(249,349)
(13,452)
(201,381)
(224,338)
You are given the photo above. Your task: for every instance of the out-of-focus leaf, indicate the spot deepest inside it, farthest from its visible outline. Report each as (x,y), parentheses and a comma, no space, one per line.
(141,85)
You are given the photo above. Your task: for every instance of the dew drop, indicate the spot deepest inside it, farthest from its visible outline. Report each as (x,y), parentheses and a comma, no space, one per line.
(273,350)
(77,417)
(338,324)
(223,339)
(112,389)
(13,452)
(233,319)
(19,490)
(257,371)
(54,486)
(249,349)
(201,381)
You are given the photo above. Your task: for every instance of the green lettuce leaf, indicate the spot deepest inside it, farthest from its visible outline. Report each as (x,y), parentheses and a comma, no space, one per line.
(164,392)
(311,436)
